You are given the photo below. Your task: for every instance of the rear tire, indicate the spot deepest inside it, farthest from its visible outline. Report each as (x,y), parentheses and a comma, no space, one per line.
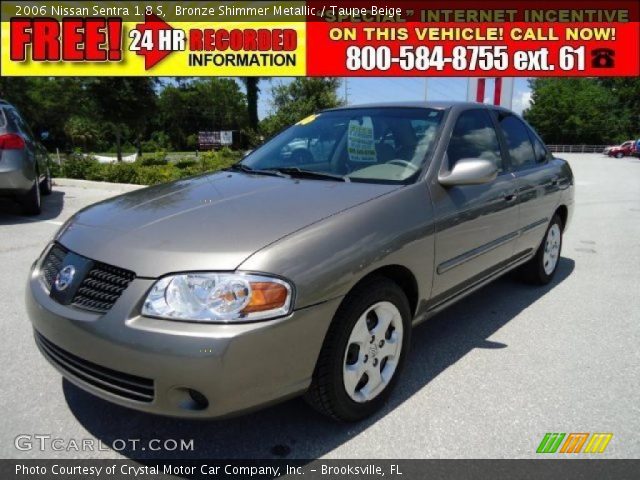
(46,186)
(542,267)
(363,352)
(31,201)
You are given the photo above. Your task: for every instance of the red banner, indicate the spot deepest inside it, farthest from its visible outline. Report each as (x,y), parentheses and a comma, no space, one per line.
(502,39)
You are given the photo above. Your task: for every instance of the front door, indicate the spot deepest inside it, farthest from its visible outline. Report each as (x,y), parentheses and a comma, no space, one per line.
(476,225)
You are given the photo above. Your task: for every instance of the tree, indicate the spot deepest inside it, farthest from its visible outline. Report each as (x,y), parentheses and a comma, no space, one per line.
(299,99)
(124,105)
(82,131)
(585,110)
(627,92)
(252,89)
(47,103)
(201,105)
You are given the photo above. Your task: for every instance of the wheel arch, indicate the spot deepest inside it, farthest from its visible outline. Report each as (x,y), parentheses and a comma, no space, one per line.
(563,212)
(401,276)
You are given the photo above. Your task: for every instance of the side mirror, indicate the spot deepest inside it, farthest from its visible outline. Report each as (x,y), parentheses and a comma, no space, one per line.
(470,171)
(44,135)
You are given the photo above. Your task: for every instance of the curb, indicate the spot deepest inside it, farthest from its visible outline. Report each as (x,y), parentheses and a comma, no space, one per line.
(72,182)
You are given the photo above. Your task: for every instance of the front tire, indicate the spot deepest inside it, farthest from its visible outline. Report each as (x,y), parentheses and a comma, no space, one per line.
(363,353)
(619,155)
(542,267)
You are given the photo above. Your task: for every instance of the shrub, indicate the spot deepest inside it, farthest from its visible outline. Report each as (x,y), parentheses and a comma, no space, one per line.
(211,161)
(158,158)
(184,163)
(149,172)
(55,169)
(159,141)
(78,165)
(192,141)
(153,175)
(120,172)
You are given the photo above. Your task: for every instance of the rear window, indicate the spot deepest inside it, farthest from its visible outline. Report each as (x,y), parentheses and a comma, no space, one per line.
(17,122)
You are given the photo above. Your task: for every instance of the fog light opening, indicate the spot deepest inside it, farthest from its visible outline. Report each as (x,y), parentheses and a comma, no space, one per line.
(200,402)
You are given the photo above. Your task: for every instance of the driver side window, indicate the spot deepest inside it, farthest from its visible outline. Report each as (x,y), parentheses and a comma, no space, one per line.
(474,137)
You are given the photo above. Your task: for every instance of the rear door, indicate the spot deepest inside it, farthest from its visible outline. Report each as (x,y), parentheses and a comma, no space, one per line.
(476,224)
(537,181)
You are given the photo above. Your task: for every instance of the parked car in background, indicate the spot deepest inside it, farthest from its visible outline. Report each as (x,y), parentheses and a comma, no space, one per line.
(288,275)
(623,150)
(608,149)
(24,162)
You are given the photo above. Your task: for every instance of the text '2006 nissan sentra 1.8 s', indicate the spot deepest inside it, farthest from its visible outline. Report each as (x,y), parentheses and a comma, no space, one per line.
(302,268)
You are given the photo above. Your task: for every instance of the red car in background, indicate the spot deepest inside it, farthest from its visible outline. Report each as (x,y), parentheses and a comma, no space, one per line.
(627,148)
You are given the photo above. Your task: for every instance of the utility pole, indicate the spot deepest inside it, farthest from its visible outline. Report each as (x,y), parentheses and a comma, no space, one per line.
(426,89)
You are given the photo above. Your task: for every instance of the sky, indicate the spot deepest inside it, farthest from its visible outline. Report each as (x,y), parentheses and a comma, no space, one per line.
(379,89)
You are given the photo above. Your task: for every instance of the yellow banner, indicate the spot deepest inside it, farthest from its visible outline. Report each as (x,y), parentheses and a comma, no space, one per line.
(190,39)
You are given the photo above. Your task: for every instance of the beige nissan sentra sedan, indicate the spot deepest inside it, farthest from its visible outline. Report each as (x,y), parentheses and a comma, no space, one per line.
(303,268)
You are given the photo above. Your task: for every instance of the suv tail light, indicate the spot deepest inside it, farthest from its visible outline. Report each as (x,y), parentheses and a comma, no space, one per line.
(11,141)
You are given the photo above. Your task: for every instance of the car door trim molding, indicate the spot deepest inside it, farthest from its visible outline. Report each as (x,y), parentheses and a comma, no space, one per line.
(453,294)
(533,225)
(487,247)
(476,252)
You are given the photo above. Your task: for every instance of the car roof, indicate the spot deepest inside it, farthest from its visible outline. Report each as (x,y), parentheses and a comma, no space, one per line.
(439,105)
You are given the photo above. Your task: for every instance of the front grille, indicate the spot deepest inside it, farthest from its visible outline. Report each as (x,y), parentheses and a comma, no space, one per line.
(101,287)
(53,263)
(122,384)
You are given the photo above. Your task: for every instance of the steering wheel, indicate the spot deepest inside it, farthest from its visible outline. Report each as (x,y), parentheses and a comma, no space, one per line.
(403,163)
(300,156)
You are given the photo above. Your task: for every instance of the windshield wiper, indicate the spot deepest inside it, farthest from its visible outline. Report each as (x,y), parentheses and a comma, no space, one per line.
(256,171)
(301,173)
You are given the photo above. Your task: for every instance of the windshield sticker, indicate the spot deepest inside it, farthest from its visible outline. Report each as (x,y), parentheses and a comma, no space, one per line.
(360,142)
(308,119)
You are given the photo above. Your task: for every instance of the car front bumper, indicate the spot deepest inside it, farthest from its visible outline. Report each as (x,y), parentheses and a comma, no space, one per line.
(125,358)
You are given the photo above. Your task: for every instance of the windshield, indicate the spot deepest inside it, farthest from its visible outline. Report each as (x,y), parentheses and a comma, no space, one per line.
(373,144)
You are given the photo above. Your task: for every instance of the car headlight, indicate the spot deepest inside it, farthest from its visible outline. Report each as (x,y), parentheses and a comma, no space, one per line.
(218,297)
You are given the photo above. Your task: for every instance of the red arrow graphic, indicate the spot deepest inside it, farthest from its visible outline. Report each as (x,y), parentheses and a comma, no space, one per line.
(154,24)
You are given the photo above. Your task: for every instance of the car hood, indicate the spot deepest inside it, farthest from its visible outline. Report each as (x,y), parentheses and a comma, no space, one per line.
(211,222)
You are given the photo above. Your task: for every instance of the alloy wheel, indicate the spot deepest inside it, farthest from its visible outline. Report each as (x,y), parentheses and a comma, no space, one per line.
(373,352)
(551,249)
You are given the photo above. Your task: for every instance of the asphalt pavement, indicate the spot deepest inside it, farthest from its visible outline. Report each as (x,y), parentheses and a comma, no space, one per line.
(486,378)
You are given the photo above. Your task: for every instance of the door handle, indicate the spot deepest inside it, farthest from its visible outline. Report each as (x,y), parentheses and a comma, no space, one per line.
(554,182)
(510,197)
